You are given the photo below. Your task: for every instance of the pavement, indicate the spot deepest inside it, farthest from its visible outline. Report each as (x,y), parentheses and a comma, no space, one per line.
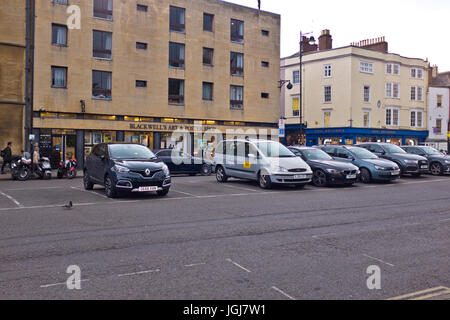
(207,240)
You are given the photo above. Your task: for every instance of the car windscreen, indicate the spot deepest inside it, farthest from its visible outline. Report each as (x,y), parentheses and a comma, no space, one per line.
(362,153)
(315,154)
(129,152)
(431,151)
(392,148)
(274,149)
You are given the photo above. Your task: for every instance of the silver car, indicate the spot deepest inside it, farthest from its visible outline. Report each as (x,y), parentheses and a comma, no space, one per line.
(268,162)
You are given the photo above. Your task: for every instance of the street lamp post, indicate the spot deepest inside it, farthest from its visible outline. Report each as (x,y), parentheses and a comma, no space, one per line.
(311,41)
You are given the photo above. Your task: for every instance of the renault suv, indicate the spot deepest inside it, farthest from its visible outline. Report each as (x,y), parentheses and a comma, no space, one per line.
(409,163)
(268,162)
(126,168)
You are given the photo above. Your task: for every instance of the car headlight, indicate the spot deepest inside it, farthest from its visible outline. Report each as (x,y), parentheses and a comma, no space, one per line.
(380,168)
(412,161)
(121,169)
(333,171)
(447,161)
(165,169)
(279,169)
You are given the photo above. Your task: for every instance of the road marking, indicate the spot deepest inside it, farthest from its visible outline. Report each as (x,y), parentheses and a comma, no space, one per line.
(12,199)
(194,265)
(138,273)
(283,293)
(240,188)
(53,206)
(379,260)
(445,220)
(238,265)
(185,193)
(61,283)
(92,192)
(30,189)
(413,224)
(323,235)
(419,295)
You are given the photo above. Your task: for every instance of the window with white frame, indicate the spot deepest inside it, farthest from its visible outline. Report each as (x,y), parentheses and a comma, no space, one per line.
(416,118)
(392,90)
(327,94)
(296,76)
(439,100)
(417,73)
(393,68)
(327,71)
(326,118)
(416,93)
(366,67)
(392,116)
(366,118)
(366,93)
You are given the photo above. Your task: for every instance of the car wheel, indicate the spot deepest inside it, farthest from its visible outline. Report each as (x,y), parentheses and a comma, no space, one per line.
(365,176)
(436,169)
(221,175)
(88,185)
(264,181)
(110,190)
(319,178)
(206,170)
(163,193)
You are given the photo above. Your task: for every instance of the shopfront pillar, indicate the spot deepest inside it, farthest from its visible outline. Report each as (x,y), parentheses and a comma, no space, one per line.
(156,141)
(79,152)
(120,136)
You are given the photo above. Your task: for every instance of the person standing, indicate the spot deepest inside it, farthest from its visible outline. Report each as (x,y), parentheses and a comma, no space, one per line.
(36,157)
(7,157)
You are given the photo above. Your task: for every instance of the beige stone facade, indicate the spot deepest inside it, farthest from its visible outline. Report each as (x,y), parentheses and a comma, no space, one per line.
(348,82)
(60,108)
(12,73)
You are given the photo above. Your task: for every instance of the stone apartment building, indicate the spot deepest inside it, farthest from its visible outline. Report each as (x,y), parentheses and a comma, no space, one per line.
(357,93)
(139,70)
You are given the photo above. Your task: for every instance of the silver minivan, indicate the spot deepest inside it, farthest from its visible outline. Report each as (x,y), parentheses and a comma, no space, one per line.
(268,162)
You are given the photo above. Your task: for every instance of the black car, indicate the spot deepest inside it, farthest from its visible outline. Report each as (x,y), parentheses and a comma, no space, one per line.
(326,170)
(126,168)
(408,163)
(439,162)
(181,162)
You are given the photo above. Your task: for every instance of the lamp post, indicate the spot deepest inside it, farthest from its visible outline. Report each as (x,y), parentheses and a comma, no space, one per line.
(311,41)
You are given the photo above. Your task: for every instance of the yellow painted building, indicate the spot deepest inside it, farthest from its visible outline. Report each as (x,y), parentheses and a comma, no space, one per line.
(138,70)
(356,94)
(12,73)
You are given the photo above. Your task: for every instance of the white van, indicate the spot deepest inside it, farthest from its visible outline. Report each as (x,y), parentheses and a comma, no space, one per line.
(268,162)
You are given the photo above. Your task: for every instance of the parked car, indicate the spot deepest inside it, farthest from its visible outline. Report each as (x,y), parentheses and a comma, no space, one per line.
(371,166)
(408,163)
(181,162)
(126,168)
(326,170)
(268,162)
(439,162)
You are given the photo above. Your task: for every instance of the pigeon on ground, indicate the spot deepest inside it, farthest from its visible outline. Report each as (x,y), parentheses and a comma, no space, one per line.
(68,205)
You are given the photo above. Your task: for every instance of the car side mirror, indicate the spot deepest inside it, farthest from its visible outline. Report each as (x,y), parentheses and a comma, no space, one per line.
(252,156)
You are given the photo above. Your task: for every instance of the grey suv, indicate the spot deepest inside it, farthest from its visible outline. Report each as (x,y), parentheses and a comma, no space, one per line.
(408,163)
(439,163)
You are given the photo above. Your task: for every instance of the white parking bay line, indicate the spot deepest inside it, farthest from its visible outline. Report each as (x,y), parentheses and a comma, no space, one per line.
(240,188)
(12,199)
(379,260)
(238,265)
(194,265)
(138,273)
(283,293)
(185,193)
(61,283)
(92,192)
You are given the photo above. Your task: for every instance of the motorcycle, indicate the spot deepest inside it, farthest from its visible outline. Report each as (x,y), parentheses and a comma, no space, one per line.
(21,167)
(69,169)
(43,168)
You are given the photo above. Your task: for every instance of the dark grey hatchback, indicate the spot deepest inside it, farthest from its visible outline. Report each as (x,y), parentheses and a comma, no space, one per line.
(125,168)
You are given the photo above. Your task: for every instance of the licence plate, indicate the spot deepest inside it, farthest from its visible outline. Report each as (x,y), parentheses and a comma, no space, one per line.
(300,176)
(148,189)
(351,176)
(424,167)
(395,173)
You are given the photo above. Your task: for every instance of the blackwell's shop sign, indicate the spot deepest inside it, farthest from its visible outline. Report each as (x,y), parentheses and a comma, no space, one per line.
(168,127)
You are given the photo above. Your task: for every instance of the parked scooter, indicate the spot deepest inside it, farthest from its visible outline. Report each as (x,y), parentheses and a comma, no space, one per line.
(21,167)
(69,169)
(44,169)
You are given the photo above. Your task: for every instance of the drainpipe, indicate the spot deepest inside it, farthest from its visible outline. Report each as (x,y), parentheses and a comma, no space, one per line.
(29,71)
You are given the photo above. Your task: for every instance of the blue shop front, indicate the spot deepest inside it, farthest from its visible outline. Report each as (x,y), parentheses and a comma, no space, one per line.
(350,135)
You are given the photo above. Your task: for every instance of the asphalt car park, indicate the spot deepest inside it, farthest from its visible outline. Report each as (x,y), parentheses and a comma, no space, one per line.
(234,240)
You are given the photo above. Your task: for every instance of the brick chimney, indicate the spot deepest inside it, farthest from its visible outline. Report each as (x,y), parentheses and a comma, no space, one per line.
(378,44)
(306,47)
(325,40)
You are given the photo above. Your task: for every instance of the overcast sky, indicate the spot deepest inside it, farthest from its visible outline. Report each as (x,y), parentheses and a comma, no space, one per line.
(413,28)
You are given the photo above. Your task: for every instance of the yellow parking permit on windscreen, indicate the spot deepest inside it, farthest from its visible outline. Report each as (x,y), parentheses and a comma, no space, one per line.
(247,165)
